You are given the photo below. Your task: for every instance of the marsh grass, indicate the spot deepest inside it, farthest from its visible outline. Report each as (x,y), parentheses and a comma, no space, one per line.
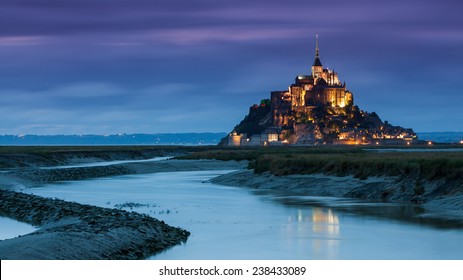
(429,166)
(343,161)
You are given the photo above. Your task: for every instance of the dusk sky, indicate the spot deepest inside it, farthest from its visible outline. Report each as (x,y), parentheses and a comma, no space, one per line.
(153,66)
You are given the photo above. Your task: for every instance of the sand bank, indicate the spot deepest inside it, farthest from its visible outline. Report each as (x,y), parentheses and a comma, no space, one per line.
(440,197)
(70,230)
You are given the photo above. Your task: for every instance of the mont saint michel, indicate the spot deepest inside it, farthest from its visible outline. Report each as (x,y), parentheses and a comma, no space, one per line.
(316,109)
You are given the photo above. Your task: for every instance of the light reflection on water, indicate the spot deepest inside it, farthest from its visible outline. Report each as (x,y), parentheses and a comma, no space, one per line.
(326,223)
(324,228)
(235,223)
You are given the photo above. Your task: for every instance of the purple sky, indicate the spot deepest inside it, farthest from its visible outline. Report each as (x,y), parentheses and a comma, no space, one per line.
(149,66)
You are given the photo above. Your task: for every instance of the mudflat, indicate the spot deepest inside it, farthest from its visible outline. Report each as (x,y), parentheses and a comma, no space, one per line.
(375,188)
(69,230)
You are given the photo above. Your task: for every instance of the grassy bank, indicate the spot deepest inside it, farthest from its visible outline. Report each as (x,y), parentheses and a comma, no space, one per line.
(342,161)
(257,152)
(428,166)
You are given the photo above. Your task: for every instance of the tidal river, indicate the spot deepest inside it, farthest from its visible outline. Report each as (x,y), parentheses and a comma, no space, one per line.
(236,223)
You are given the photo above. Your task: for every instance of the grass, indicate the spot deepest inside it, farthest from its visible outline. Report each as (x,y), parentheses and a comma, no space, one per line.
(343,161)
(429,166)
(234,153)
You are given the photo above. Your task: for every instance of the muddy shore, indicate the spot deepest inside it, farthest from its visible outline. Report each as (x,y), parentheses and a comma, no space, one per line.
(440,198)
(94,233)
(34,176)
(68,230)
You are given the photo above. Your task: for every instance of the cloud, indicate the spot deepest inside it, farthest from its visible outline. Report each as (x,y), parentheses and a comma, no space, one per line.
(107,108)
(180,65)
(62,96)
(201,35)
(199,20)
(22,41)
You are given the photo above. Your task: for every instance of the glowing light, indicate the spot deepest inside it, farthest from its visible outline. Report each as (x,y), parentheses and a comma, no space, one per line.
(408,143)
(461,142)
(429,143)
(377,143)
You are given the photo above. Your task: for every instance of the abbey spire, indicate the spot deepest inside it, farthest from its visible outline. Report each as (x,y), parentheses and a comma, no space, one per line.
(317,67)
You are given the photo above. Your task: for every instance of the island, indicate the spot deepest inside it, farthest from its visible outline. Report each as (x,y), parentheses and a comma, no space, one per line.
(316,109)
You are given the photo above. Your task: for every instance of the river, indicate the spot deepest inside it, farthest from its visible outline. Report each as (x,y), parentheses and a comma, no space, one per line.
(236,223)
(10,228)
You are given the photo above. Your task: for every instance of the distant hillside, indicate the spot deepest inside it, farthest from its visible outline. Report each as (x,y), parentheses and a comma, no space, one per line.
(116,139)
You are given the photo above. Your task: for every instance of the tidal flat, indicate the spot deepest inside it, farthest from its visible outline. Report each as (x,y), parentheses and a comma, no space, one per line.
(298,175)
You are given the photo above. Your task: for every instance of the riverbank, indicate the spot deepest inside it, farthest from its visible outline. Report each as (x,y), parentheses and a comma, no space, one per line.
(34,176)
(443,199)
(428,177)
(432,181)
(70,230)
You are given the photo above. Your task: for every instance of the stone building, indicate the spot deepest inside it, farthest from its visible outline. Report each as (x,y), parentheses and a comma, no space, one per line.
(321,88)
(316,109)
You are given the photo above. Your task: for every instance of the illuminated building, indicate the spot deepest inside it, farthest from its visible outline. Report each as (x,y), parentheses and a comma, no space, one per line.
(316,109)
(321,88)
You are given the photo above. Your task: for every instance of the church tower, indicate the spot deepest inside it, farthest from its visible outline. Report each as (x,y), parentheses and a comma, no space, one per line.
(317,67)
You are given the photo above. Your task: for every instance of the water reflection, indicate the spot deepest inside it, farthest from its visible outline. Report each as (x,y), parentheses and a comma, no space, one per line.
(232,223)
(325,221)
(326,224)
(317,231)
(405,212)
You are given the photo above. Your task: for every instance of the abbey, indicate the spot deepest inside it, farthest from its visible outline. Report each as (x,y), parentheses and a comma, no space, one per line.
(316,109)
(320,88)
